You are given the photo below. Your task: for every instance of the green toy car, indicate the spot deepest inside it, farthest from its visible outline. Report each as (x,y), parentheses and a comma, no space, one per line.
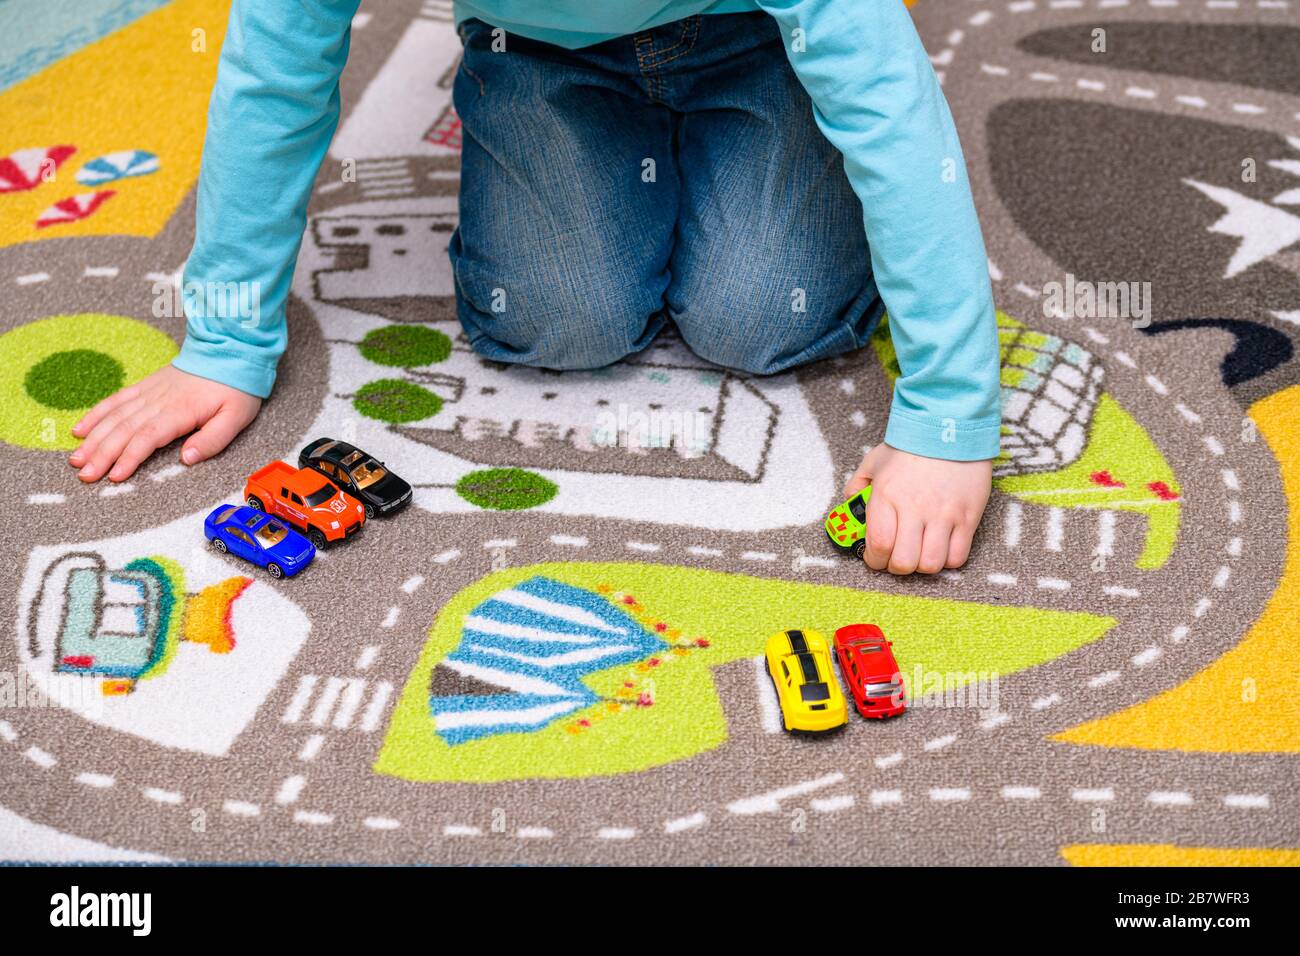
(846,526)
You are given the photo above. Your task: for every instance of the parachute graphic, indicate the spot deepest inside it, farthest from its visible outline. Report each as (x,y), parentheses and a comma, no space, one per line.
(522,655)
(26,168)
(114,166)
(73,208)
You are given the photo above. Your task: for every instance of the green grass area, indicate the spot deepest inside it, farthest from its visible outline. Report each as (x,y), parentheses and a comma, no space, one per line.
(63,365)
(735,614)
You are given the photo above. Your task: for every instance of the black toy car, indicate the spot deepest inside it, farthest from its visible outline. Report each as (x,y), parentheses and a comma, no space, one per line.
(358,474)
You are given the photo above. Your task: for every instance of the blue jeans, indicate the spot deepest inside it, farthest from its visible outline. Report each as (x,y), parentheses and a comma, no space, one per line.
(675,174)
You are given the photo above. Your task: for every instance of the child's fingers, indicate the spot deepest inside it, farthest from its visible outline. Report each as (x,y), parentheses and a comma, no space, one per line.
(882,524)
(218,432)
(906,554)
(149,436)
(103,428)
(934,547)
(96,414)
(862,476)
(959,544)
(109,447)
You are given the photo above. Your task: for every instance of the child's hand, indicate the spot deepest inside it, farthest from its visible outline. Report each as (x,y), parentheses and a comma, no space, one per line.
(128,426)
(922,512)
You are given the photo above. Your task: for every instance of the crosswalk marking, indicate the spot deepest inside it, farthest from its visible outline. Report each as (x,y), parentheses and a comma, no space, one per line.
(337,703)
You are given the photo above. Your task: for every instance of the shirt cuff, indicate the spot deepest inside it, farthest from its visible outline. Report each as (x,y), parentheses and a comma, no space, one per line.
(225,366)
(944,438)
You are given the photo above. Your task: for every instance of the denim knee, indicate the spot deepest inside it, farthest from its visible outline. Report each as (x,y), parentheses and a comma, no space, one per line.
(555,320)
(771,327)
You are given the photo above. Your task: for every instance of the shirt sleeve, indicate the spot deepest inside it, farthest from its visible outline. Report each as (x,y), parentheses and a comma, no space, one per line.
(877,100)
(273,113)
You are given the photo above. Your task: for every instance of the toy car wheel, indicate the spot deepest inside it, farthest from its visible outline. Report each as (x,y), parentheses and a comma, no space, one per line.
(370,511)
(859,549)
(317,538)
(219,545)
(274,570)
(255,503)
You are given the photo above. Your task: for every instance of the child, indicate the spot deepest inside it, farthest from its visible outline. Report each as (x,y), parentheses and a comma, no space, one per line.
(627,162)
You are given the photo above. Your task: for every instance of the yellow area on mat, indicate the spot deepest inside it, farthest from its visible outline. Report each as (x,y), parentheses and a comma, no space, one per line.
(1247,701)
(736,614)
(1166,854)
(142,87)
(207,615)
(137,348)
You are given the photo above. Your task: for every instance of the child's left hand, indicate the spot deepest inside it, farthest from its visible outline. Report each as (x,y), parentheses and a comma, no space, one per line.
(922,512)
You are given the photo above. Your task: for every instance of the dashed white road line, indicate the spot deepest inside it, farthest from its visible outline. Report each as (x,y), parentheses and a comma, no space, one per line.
(833,804)
(682,824)
(1098,795)
(949,794)
(158,795)
(1169,798)
(770,802)
(615,833)
(290,790)
(311,747)
(241,808)
(461,830)
(100,781)
(313,818)
(41,758)
(1247,801)
(1021,793)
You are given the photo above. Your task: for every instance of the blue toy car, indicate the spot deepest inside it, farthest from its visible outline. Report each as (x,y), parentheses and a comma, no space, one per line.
(258,537)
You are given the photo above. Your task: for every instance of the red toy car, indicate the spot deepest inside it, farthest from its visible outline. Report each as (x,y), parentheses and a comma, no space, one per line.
(870,670)
(307,500)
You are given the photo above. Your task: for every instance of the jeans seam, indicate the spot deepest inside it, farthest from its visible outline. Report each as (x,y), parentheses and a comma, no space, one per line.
(641,42)
(461,29)
(691,27)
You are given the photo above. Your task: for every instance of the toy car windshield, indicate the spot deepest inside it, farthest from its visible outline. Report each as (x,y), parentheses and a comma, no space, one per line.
(859,508)
(271,533)
(368,473)
(321,495)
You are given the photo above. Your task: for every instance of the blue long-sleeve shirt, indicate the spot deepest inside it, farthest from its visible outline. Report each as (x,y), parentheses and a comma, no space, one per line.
(276,105)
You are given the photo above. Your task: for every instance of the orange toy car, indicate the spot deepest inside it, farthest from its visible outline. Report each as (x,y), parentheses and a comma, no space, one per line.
(307,500)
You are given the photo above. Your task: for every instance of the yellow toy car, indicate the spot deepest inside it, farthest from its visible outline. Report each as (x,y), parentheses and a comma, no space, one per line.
(799,663)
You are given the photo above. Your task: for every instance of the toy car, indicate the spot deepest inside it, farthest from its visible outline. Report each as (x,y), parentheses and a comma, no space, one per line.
(259,538)
(799,664)
(307,500)
(360,475)
(870,670)
(846,526)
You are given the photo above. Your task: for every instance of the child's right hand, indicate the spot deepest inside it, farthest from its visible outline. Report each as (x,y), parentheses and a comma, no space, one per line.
(127,427)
